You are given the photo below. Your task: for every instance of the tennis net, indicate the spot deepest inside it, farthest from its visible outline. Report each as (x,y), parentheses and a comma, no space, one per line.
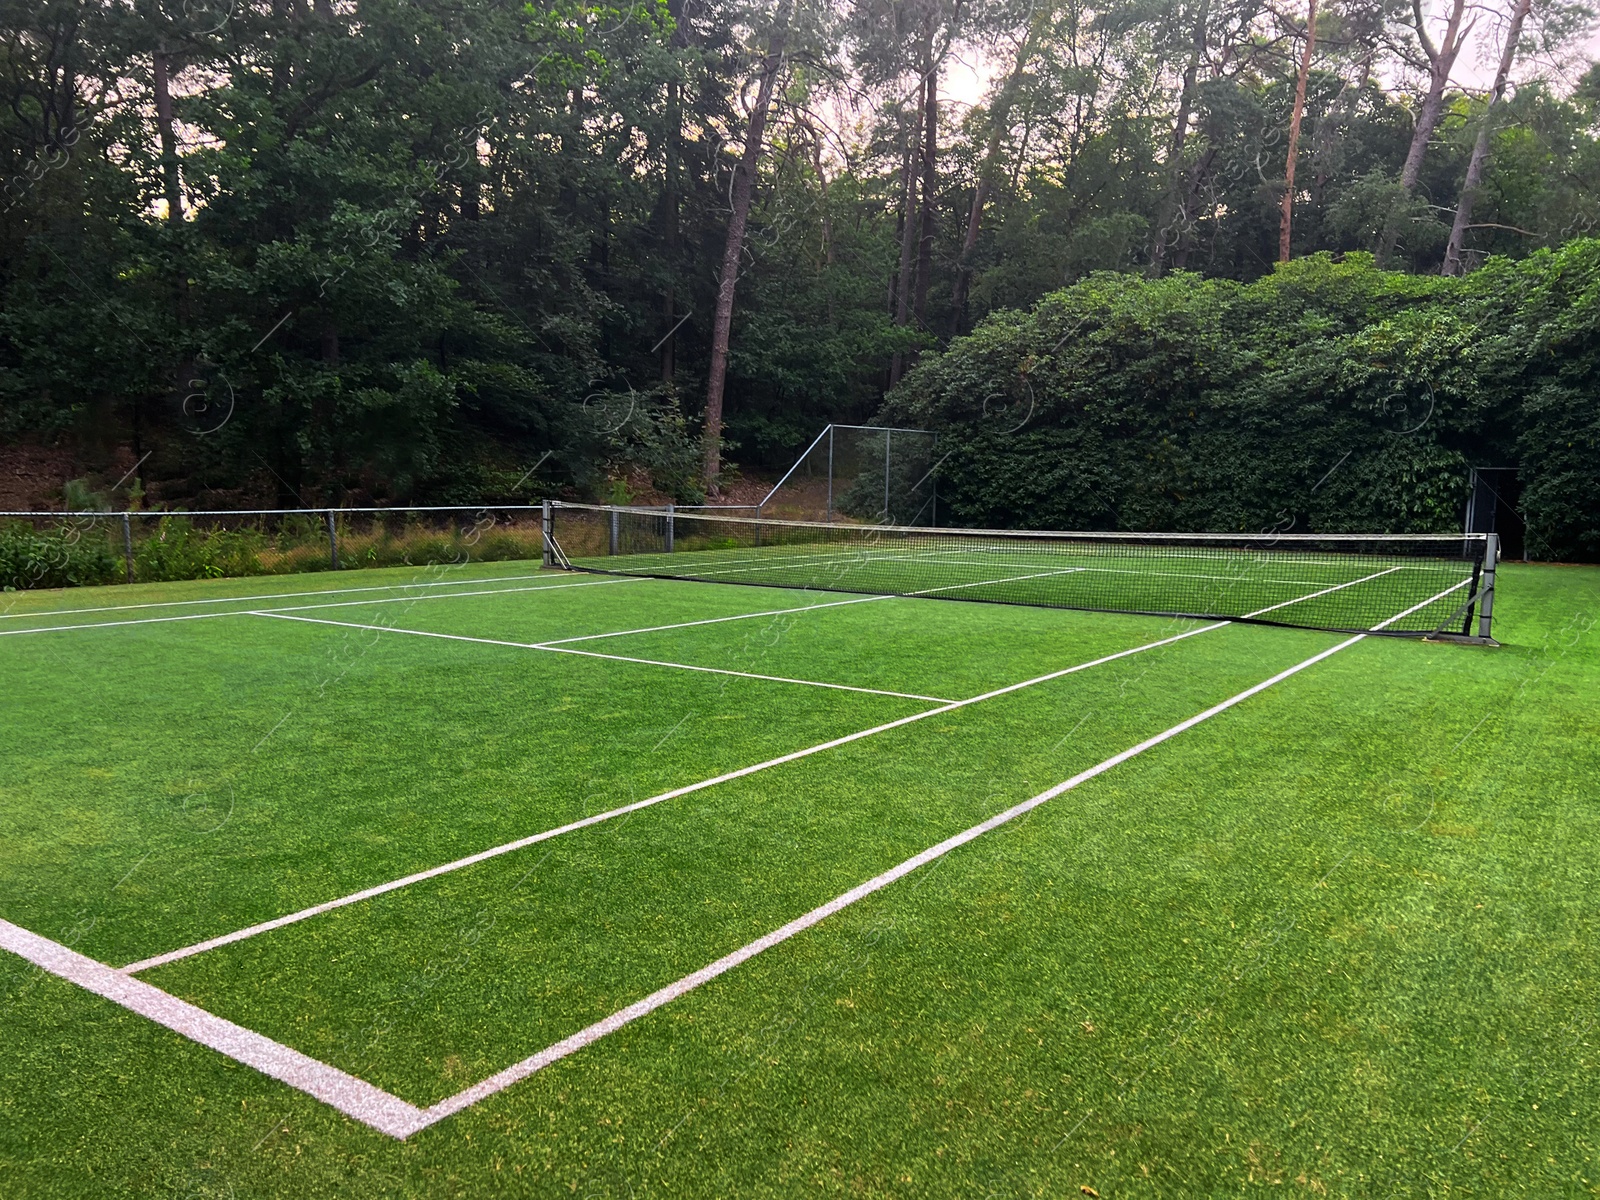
(1410,584)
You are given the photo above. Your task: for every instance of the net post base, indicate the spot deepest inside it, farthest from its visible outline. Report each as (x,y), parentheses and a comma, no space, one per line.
(1461,639)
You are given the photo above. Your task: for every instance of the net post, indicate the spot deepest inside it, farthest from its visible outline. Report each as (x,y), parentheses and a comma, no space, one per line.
(333,540)
(671,509)
(611,542)
(547,528)
(1491,553)
(127,544)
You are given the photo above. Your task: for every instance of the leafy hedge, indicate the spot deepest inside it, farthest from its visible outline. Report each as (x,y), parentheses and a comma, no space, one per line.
(75,553)
(82,550)
(1329,396)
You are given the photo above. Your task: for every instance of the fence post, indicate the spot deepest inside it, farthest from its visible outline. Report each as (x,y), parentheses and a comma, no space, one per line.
(127,543)
(670,510)
(333,542)
(887,434)
(612,548)
(830,473)
(546,523)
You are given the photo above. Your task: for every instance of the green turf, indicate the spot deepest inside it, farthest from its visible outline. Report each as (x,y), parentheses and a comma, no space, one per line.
(1340,939)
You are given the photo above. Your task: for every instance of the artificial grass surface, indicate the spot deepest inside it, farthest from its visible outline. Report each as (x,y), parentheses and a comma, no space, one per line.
(1340,938)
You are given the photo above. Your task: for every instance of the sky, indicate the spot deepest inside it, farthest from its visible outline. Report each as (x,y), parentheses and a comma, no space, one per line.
(966,82)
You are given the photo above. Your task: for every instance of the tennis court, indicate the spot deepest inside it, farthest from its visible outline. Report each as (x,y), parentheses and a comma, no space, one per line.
(543,856)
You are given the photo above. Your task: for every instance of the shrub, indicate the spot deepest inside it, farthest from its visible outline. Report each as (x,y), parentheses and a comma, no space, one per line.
(75,553)
(178,550)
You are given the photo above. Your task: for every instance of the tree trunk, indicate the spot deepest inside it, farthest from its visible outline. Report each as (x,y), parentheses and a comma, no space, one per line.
(172,181)
(1294,133)
(1180,133)
(908,237)
(744,181)
(1441,61)
(999,120)
(930,180)
(821,168)
(669,217)
(1480,148)
(670,204)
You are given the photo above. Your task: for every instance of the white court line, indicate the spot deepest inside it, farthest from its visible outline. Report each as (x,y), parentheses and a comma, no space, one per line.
(849,556)
(387,587)
(457,637)
(657,999)
(508,847)
(387,1113)
(958,556)
(771,612)
(521,843)
(656,662)
(590,637)
(593,1033)
(953,587)
(1338,587)
(250,612)
(353,1097)
(776,560)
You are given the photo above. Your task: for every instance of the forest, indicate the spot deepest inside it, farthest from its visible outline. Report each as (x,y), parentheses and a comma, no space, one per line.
(1141,263)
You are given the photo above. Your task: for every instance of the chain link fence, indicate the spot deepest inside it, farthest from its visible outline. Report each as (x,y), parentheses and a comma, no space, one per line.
(47,550)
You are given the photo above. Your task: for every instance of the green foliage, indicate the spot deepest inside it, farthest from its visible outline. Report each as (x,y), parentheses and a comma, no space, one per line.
(1329,396)
(469,252)
(75,553)
(177,549)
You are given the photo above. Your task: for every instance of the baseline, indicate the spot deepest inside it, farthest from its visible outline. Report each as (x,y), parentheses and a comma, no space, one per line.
(387,587)
(354,1097)
(246,612)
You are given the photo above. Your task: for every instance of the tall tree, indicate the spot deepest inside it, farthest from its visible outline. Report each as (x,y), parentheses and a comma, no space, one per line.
(1287,219)
(1440,61)
(740,195)
(1480,147)
(999,120)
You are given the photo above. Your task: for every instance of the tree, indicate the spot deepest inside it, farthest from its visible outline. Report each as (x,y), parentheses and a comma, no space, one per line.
(1480,147)
(1294,132)
(743,189)
(1439,61)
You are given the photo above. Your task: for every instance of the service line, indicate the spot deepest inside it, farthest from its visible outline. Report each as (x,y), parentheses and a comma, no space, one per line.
(651,662)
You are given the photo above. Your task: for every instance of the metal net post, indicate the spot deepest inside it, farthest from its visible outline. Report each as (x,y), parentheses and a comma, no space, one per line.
(1491,554)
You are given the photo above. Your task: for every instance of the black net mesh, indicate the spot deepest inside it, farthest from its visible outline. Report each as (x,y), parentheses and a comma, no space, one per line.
(1415,585)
